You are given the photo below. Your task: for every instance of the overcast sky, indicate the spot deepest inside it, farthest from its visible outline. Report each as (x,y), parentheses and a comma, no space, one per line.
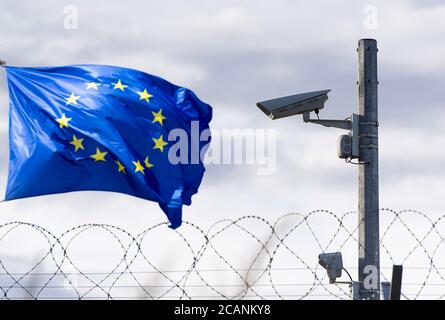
(233,54)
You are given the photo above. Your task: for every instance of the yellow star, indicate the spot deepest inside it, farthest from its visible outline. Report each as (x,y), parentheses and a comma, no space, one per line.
(121,168)
(92,85)
(63,121)
(158,117)
(144,95)
(139,167)
(147,163)
(159,143)
(119,85)
(77,143)
(99,156)
(72,99)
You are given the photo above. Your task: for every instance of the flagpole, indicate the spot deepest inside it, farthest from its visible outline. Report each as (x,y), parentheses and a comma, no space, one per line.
(3,65)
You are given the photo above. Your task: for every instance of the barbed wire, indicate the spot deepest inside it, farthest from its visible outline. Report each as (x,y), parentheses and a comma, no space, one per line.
(279,258)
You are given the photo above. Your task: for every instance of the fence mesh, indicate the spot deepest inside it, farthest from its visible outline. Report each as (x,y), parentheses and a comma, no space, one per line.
(246,258)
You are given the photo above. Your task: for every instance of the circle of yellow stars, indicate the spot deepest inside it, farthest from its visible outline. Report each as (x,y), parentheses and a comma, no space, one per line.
(101,156)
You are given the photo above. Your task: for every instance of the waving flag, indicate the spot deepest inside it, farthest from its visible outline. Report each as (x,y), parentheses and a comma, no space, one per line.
(94,127)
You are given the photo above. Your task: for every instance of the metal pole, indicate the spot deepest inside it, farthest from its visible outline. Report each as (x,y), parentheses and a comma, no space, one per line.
(368,206)
(396,282)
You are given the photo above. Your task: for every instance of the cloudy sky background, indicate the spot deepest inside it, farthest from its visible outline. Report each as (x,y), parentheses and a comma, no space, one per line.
(233,54)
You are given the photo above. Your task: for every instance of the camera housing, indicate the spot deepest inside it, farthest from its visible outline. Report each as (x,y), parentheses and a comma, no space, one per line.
(333,263)
(294,105)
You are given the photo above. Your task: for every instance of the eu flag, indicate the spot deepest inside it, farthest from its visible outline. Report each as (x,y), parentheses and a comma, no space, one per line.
(95,127)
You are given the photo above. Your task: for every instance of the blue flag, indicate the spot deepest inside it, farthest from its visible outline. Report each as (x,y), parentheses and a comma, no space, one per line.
(94,127)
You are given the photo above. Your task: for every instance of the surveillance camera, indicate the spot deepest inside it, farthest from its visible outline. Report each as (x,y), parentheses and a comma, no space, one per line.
(333,263)
(294,105)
